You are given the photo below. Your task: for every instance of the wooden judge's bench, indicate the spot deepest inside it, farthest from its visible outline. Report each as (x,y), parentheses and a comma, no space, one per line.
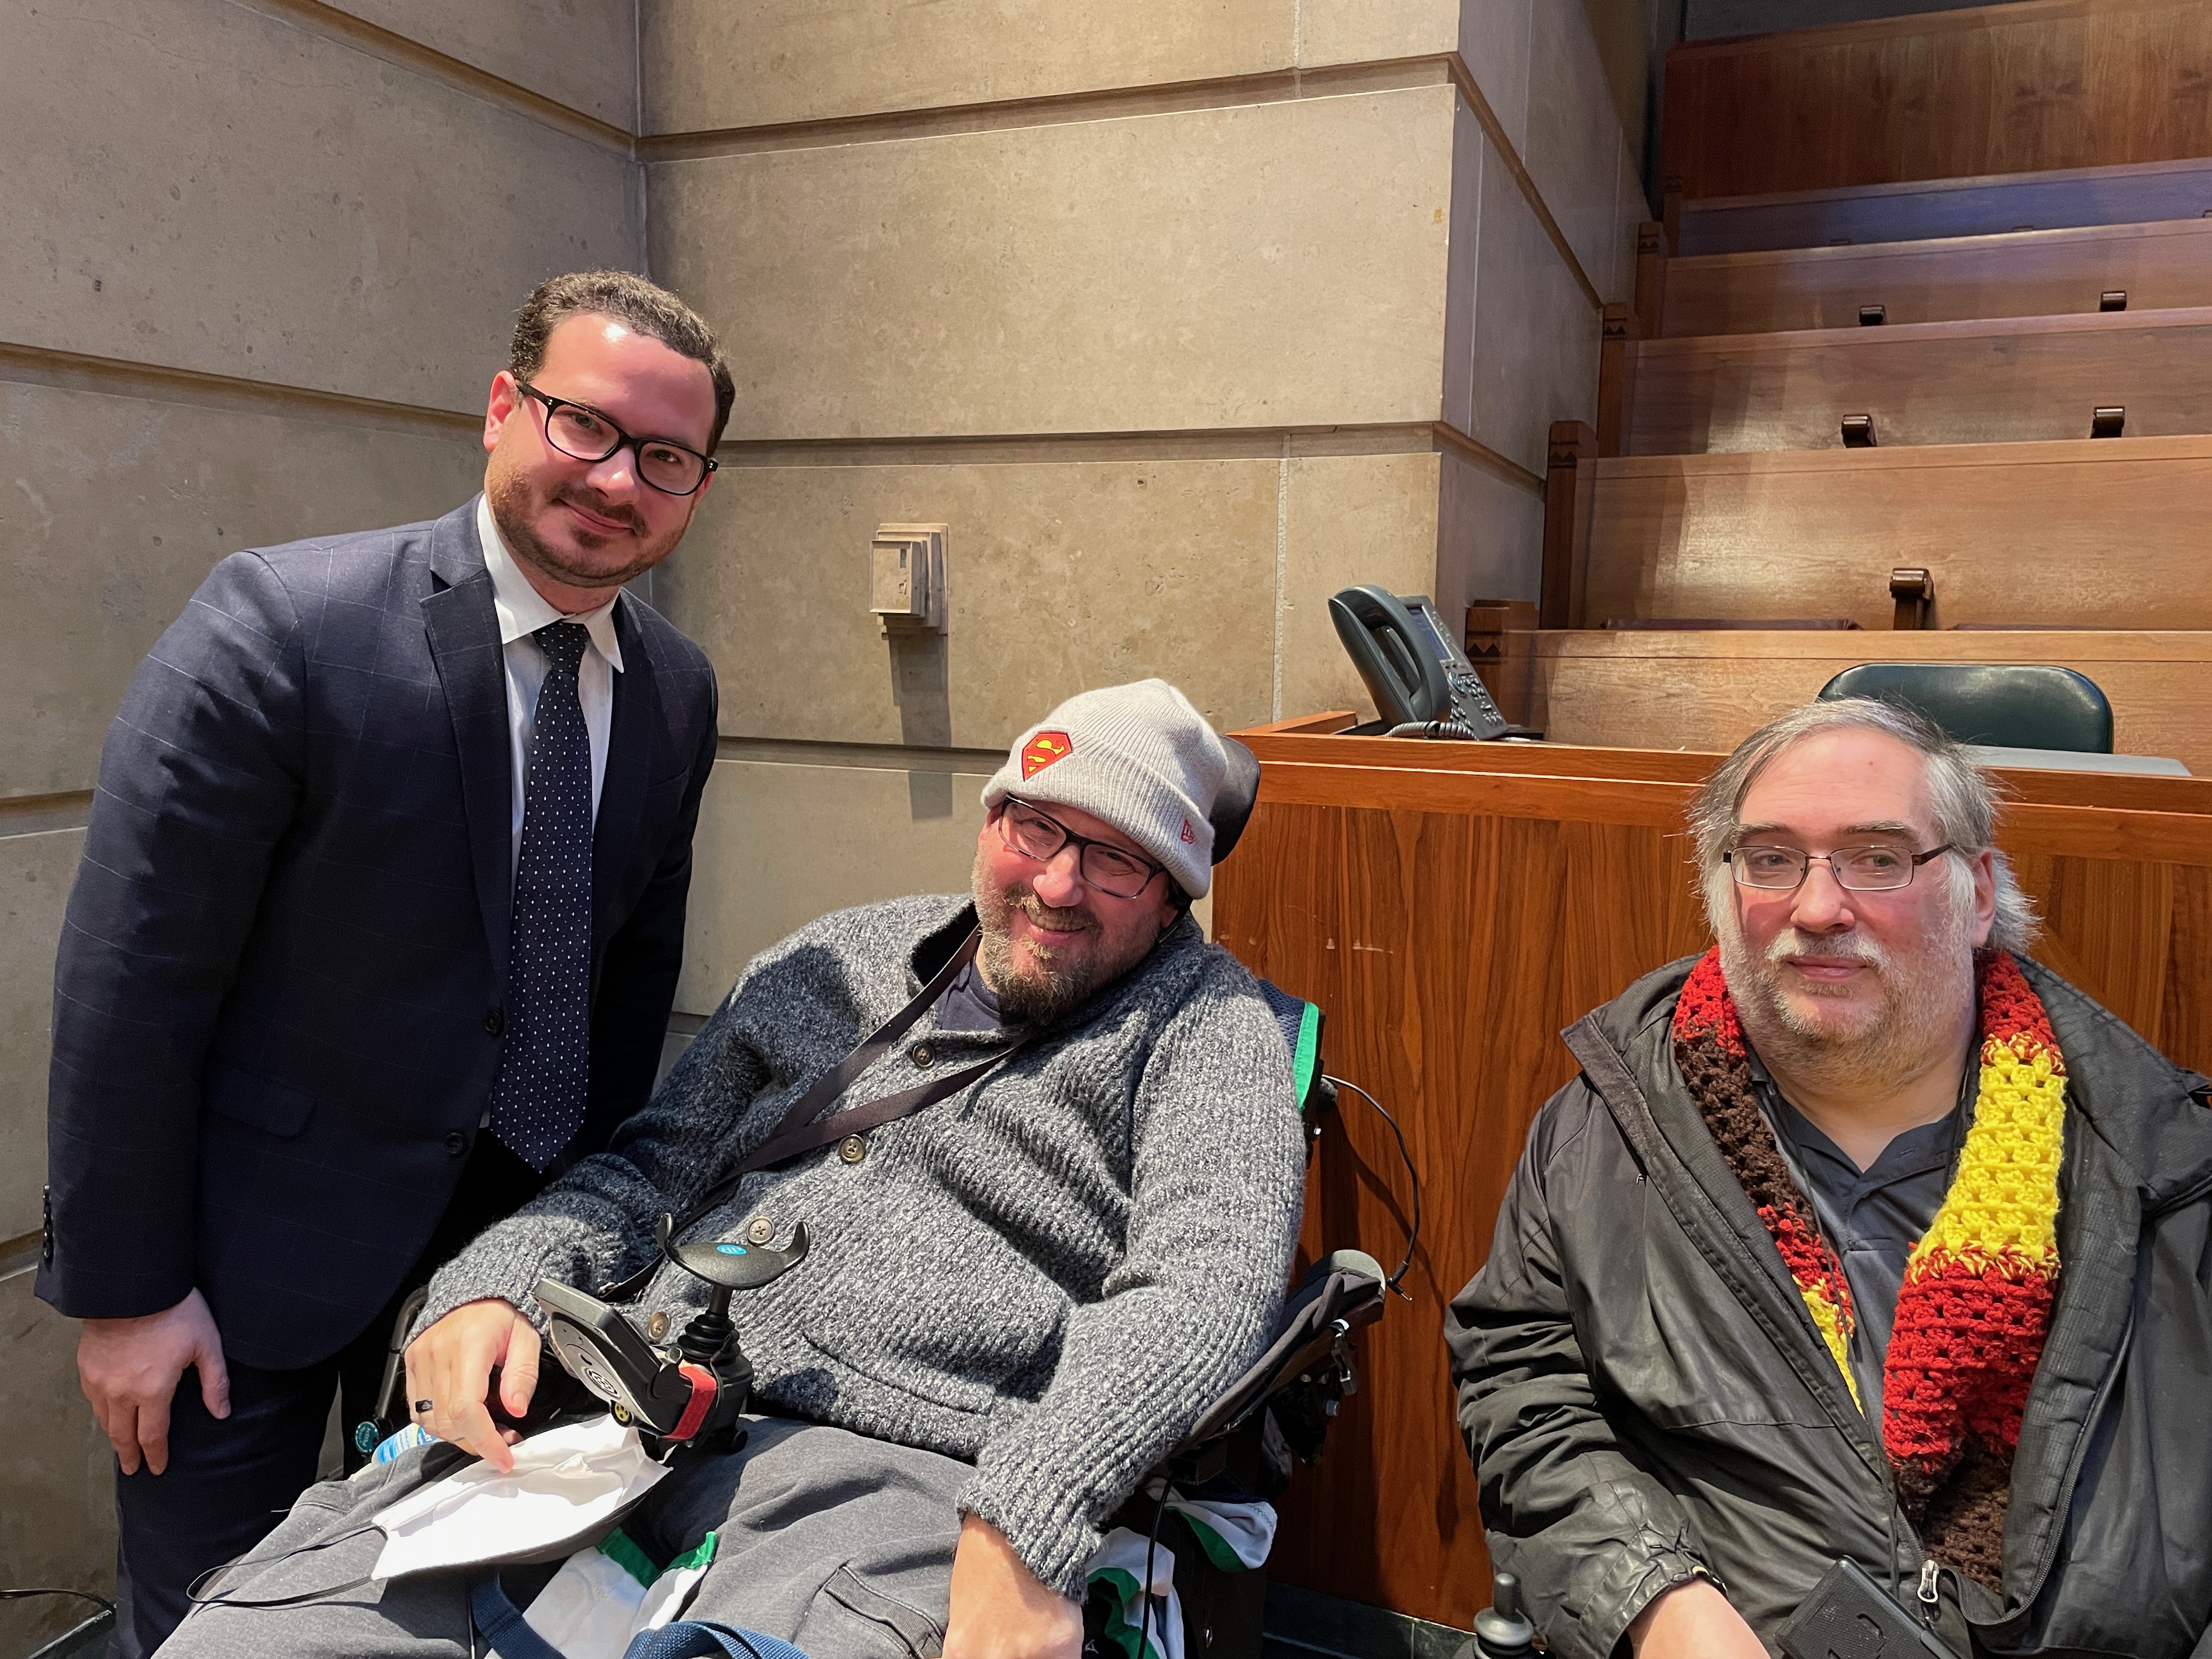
(1452,907)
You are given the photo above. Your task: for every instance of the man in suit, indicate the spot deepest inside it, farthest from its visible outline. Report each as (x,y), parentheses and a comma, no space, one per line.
(378,925)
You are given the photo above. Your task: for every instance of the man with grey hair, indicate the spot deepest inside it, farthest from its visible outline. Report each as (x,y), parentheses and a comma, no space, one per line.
(1019,1294)
(1865,1271)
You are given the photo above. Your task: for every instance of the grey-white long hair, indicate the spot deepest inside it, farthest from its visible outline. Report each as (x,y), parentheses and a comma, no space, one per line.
(1963,800)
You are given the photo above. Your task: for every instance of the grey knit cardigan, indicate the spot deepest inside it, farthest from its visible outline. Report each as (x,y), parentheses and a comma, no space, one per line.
(1052,1273)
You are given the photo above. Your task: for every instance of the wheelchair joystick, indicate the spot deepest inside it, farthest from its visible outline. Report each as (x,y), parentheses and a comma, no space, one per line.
(1501,1629)
(693,1390)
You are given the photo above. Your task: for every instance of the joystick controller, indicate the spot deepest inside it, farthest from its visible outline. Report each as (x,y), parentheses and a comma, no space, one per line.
(688,1392)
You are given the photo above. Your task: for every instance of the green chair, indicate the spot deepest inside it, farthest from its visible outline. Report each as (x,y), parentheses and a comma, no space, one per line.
(2003,705)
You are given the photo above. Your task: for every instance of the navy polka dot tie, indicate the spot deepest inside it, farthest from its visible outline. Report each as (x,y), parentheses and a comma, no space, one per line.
(537,1100)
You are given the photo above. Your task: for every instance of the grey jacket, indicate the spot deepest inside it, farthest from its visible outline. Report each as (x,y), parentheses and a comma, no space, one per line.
(1053,1272)
(1643,1393)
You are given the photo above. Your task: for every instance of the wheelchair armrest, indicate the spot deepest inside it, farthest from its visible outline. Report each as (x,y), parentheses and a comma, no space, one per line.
(1341,1293)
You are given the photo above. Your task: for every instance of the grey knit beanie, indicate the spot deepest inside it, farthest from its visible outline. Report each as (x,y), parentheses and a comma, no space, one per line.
(1138,756)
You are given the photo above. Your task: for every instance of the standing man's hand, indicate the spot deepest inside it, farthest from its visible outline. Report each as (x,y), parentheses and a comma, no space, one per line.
(129,1369)
(1693,1620)
(1001,1609)
(450,1366)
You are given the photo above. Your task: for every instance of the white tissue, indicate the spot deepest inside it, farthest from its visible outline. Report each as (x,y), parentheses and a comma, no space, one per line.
(567,1486)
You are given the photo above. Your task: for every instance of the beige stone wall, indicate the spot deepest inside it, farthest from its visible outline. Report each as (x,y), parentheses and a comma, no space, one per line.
(261,263)
(1181,317)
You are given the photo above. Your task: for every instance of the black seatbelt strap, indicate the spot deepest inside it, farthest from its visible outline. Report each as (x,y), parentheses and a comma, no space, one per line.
(801,1130)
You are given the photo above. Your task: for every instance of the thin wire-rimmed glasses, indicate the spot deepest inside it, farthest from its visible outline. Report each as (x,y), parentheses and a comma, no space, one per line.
(1856,869)
(1039,835)
(581,432)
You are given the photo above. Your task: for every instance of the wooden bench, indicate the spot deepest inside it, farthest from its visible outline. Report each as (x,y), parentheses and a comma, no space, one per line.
(1648,689)
(1946,207)
(2102,533)
(2036,273)
(2004,380)
(2033,85)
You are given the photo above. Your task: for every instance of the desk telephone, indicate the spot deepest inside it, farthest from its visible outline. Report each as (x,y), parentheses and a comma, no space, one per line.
(1415,670)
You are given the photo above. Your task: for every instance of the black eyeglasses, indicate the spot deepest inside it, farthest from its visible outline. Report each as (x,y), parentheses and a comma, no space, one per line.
(1037,836)
(1856,869)
(582,433)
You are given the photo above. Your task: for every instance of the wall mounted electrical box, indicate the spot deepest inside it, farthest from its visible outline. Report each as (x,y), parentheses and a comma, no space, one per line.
(906,578)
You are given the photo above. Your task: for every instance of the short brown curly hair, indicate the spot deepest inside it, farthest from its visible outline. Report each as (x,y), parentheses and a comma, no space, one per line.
(647,307)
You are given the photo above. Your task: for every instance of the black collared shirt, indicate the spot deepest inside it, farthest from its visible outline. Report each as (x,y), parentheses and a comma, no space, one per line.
(969,1004)
(1871,1217)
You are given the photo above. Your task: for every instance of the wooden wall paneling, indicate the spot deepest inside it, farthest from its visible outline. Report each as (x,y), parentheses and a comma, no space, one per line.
(2185,1023)
(2033,85)
(2005,381)
(2140,193)
(1616,379)
(1569,480)
(2104,533)
(2097,915)
(2038,273)
(1651,261)
(1710,690)
(1380,758)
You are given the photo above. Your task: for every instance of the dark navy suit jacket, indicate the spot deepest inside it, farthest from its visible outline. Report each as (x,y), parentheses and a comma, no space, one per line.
(277,1002)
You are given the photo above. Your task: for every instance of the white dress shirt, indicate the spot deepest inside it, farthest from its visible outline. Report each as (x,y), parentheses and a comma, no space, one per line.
(522,611)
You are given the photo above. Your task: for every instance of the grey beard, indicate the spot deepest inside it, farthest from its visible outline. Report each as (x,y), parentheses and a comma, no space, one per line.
(1041,995)
(1919,1015)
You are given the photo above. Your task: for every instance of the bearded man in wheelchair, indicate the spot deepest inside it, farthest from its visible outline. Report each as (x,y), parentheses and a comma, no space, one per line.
(942,1235)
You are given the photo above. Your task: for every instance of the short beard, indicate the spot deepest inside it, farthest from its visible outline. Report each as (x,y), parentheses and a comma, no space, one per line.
(513,505)
(1917,1016)
(1032,988)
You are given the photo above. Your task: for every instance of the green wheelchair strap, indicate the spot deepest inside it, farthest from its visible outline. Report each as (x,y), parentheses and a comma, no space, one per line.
(1299,1021)
(1305,1055)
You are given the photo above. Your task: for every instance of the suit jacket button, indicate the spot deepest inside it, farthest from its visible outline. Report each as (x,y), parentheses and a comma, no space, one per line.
(457,1143)
(495,1020)
(922,1055)
(851,1149)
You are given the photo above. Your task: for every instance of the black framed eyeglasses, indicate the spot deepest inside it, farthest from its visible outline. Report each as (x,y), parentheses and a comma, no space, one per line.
(582,433)
(1856,869)
(1039,835)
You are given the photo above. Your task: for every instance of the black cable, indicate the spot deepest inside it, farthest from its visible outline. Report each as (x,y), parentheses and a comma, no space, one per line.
(1412,1238)
(100,1602)
(1145,1623)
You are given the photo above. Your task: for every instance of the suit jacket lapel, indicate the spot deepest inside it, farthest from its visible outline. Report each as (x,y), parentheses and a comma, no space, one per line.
(630,761)
(464,643)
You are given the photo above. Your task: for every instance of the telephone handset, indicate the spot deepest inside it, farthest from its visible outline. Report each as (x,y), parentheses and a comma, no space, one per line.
(1414,667)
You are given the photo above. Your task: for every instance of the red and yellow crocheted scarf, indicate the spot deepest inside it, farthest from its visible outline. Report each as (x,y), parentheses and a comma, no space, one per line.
(1976,1303)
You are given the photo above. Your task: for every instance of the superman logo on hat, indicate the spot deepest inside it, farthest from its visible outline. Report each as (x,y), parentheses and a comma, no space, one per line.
(1041,751)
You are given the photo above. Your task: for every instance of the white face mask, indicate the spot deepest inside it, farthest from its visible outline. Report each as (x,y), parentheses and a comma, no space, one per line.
(567,1486)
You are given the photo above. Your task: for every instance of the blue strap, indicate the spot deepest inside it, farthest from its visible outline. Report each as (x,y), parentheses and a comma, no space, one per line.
(701,1639)
(500,1623)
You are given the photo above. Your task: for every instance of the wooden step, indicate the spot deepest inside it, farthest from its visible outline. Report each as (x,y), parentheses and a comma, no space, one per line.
(2138,193)
(2100,533)
(1709,691)
(2030,85)
(2036,273)
(2008,380)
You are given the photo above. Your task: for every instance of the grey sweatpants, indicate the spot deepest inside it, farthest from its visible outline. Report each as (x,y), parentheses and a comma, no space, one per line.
(841,1544)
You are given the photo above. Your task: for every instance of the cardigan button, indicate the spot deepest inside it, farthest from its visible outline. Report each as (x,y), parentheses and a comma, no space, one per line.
(922,1055)
(759,1229)
(851,1149)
